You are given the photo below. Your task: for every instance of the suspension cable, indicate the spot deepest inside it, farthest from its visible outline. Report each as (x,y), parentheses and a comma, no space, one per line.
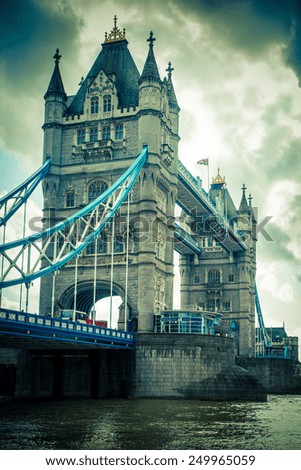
(75,288)
(22,262)
(112,269)
(53,276)
(127,263)
(95,274)
(28,284)
(3,242)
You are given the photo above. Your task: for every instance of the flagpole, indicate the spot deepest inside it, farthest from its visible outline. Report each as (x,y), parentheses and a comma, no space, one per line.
(208,177)
(205,161)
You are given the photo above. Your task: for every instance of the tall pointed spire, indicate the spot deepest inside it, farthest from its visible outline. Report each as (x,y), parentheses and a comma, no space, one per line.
(150,71)
(170,89)
(244,207)
(251,208)
(56,83)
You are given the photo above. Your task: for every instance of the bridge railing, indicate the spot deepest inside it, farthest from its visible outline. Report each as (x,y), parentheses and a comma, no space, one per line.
(30,319)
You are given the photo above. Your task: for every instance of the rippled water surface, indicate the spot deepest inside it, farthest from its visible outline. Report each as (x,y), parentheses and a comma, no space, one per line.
(152,424)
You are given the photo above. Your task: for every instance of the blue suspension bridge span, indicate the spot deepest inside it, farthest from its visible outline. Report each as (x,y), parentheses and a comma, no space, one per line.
(27,259)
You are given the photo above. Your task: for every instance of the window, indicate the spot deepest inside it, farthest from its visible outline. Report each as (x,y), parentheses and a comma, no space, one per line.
(196,279)
(95,189)
(210,242)
(211,305)
(119,132)
(101,247)
(107,103)
(81,136)
(231,277)
(214,277)
(93,134)
(94,105)
(106,133)
(90,250)
(70,199)
(118,246)
(226,306)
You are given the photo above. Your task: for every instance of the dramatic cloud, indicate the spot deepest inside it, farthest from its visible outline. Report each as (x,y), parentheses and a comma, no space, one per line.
(252,27)
(30,31)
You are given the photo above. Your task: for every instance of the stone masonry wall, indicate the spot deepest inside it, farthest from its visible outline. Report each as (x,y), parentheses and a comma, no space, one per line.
(276,375)
(191,366)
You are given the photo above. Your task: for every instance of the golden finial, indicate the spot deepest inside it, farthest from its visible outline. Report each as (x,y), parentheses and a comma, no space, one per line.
(218,179)
(116,34)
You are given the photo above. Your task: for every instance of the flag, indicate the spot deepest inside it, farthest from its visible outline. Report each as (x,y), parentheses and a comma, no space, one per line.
(204,161)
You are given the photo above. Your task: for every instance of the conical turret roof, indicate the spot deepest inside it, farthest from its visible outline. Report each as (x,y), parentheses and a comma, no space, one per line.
(170,89)
(244,207)
(56,83)
(150,71)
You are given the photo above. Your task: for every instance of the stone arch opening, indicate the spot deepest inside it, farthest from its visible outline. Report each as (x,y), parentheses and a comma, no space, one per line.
(85,297)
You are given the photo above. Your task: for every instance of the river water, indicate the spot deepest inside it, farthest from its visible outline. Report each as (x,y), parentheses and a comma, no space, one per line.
(152,424)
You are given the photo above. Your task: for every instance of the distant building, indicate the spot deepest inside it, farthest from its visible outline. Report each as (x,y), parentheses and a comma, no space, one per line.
(282,345)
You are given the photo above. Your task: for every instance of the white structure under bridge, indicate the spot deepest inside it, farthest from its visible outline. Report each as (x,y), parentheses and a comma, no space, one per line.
(189,320)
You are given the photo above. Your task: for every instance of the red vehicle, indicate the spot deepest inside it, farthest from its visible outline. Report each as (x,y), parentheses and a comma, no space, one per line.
(102,323)
(82,317)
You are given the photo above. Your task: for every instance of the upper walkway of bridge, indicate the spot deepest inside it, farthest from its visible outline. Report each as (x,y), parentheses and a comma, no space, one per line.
(192,197)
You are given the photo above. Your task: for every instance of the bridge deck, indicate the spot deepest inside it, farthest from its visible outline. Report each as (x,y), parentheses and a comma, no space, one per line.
(29,331)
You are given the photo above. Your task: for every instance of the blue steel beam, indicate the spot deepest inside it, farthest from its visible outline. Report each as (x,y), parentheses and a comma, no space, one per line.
(229,238)
(17,195)
(184,238)
(262,328)
(30,327)
(124,184)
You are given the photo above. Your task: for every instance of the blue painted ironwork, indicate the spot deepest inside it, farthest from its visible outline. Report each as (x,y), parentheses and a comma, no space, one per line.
(221,222)
(265,348)
(91,223)
(38,327)
(186,239)
(263,332)
(21,193)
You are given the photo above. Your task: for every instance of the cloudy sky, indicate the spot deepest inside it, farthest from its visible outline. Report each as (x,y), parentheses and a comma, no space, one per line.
(237,70)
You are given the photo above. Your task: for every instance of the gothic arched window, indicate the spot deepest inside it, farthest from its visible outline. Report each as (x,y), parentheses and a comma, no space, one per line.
(119,132)
(214,277)
(81,136)
(107,103)
(95,189)
(93,134)
(94,105)
(102,246)
(106,133)
(70,199)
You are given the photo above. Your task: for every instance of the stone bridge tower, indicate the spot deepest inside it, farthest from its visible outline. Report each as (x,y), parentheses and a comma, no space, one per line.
(219,280)
(92,138)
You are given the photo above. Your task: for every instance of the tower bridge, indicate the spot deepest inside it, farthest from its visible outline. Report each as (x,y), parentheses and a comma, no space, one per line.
(111,181)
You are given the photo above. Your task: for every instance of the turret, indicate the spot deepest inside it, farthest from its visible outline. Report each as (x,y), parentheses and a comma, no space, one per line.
(253,218)
(244,216)
(217,192)
(55,107)
(174,108)
(150,88)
